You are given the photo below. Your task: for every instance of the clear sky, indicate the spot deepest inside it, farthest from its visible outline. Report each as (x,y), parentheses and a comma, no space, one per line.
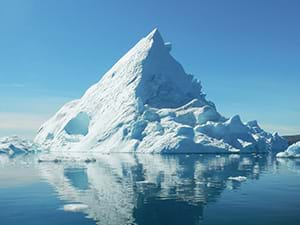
(245,52)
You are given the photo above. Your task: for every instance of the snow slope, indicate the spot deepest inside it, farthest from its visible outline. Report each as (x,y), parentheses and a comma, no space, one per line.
(147,103)
(293,151)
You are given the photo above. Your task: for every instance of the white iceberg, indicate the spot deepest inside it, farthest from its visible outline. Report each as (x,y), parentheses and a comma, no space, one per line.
(147,103)
(14,145)
(293,151)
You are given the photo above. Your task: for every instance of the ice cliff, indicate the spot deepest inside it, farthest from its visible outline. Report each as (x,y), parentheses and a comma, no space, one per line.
(147,103)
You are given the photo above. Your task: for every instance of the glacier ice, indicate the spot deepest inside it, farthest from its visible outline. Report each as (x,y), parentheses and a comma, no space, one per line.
(293,151)
(147,103)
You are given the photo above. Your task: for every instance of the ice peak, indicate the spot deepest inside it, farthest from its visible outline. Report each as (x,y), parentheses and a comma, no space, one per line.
(155,38)
(154,34)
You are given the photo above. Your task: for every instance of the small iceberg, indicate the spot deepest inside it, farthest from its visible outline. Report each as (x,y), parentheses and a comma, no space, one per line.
(238,178)
(75,207)
(292,152)
(14,145)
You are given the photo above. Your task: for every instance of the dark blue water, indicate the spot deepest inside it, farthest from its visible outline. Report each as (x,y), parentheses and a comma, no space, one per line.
(151,189)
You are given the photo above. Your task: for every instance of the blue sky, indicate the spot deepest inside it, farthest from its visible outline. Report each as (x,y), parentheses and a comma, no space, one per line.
(245,52)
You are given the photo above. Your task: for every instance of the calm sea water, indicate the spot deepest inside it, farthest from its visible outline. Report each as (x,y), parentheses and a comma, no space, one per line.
(150,189)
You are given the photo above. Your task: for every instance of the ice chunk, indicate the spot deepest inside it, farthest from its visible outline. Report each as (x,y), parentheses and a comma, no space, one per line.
(292,152)
(206,114)
(187,118)
(14,145)
(154,128)
(238,178)
(186,131)
(151,116)
(137,129)
(75,207)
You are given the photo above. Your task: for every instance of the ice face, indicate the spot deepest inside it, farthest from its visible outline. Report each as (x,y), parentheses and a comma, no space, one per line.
(147,103)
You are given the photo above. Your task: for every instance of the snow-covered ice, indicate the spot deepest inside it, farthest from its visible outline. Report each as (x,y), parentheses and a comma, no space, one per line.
(293,151)
(147,103)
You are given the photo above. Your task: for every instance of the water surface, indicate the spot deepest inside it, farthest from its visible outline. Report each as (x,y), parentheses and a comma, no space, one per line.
(151,189)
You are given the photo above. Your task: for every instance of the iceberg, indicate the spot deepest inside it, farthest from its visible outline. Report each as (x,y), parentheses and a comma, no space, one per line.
(147,103)
(292,151)
(14,145)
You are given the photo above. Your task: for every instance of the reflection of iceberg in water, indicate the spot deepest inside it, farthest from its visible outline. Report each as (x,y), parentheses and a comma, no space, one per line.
(149,189)
(290,164)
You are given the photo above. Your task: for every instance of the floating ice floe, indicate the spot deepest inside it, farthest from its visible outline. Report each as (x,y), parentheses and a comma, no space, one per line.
(238,178)
(14,145)
(75,207)
(293,151)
